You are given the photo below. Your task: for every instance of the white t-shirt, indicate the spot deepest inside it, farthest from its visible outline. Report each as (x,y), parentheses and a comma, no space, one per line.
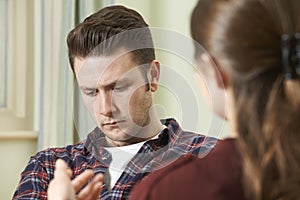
(120,158)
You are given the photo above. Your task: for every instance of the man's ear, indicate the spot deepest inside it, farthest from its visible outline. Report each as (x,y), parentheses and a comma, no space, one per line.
(153,75)
(221,76)
(217,72)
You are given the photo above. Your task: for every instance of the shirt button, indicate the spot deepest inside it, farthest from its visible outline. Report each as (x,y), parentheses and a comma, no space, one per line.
(104,158)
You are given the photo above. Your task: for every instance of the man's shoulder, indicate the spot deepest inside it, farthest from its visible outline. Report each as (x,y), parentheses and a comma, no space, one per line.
(174,125)
(66,152)
(178,135)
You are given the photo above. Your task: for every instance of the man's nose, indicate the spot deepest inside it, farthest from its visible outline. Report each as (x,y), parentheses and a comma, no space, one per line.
(103,104)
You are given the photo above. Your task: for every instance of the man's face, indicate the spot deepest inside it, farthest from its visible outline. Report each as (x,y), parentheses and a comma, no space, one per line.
(114,90)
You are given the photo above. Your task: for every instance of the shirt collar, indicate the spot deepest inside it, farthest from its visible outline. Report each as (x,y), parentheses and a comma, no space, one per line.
(96,139)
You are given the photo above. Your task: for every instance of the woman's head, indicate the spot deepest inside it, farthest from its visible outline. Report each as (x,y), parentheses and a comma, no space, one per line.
(244,38)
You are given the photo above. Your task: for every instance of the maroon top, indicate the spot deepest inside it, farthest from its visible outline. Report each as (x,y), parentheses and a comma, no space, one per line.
(216,176)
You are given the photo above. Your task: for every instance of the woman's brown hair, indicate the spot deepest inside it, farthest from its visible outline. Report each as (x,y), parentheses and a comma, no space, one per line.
(244,37)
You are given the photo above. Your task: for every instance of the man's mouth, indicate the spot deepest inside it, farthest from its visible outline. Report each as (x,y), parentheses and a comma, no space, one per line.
(113,123)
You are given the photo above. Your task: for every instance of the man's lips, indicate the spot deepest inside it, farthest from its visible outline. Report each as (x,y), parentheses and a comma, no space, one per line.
(112,123)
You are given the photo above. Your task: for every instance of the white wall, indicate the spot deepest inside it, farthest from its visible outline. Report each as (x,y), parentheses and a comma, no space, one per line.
(14,155)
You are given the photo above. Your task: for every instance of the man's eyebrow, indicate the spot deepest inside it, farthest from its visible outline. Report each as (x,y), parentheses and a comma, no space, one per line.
(114,83)
(86,88)
(106,86)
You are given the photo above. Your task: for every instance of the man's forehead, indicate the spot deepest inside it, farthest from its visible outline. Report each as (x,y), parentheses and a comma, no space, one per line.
(103,61)
(91,65)
(105,70)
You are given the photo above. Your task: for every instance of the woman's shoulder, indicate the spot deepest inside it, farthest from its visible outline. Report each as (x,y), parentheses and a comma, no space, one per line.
(224,156)
(189,176)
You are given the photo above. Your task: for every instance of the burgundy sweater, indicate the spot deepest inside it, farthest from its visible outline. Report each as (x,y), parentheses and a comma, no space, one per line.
(217,176)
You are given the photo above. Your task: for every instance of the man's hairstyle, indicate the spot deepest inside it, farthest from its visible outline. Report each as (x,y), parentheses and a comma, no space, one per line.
(108,30)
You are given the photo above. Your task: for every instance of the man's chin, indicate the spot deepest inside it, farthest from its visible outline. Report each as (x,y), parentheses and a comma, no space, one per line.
(117,135)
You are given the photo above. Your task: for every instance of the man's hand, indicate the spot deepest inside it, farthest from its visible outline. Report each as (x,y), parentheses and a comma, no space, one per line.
(63,188)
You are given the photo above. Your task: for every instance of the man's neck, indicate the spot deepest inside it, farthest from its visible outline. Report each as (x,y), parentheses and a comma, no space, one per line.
(145,133)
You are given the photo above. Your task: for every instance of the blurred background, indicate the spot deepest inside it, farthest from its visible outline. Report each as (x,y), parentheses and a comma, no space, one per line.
(39,103)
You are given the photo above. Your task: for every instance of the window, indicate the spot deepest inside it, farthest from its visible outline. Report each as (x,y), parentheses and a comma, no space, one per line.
(16,67)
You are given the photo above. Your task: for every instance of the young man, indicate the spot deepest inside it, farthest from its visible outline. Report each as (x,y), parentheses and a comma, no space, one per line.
(112,56)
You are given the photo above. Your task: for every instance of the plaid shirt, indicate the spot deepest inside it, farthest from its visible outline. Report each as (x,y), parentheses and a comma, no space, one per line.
(154,154)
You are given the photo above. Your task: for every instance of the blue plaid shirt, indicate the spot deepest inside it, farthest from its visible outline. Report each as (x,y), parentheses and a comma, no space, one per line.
(154,154)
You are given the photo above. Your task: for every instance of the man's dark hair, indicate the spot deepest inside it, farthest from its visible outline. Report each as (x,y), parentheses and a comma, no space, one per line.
(108,30)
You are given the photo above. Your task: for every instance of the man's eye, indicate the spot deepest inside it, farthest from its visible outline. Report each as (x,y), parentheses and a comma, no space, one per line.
(118,88)
(91,93)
